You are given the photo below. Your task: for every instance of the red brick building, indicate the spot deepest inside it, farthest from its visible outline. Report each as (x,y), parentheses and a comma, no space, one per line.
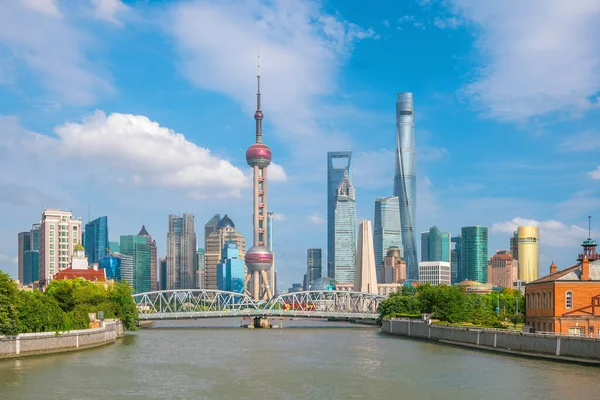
(567,301)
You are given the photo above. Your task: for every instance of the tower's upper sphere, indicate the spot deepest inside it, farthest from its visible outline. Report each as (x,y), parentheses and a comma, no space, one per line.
(259,258)
(258,154)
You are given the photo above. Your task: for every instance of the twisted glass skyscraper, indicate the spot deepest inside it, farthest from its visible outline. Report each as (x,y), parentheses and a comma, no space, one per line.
(405,183)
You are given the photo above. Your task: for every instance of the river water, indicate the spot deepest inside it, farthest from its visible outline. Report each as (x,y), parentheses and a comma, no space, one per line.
(305,360)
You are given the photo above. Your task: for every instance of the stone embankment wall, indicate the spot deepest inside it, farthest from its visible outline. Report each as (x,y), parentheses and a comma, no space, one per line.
(565,348)
(27,344)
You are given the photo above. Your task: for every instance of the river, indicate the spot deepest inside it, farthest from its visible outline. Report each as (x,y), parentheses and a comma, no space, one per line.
(305,360)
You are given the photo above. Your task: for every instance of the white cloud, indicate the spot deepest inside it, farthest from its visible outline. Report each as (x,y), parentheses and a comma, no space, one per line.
(552,233)
(538,56)
(108,10)
(406,18)
(317,219)
(36,36)
(154,155)
(279,217)
(48,7)
(386,23)
(419,25)
(584,141)
(4,259)
(446,23)
(301,49)
(276,173)
(595,174)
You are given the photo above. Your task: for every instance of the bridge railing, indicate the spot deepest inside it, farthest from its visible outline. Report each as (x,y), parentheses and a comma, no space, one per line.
(187,301)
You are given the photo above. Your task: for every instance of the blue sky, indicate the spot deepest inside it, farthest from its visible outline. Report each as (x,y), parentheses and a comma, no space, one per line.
(139,109)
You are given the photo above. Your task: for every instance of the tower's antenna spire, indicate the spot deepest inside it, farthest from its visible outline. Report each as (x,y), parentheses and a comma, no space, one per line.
(258,115)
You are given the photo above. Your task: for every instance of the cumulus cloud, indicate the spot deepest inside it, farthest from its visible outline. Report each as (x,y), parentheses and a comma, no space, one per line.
(279,217)
(38,36)
(301,48)
(446,23)
(595,174)
(552,233)
(276,173)
(538,56)
(108,10)
(317,219)
(153,154)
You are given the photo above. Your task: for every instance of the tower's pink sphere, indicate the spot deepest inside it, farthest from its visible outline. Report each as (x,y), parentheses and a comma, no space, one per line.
(258,258)
(258,154)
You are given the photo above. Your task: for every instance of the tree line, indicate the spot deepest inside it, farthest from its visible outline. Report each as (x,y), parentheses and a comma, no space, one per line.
(64,306)
(453,304)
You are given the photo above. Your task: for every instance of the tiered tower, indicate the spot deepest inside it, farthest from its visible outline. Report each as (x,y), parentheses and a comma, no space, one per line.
(259,259)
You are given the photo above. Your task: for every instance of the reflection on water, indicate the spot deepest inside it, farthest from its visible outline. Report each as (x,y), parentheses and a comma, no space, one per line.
(302,363)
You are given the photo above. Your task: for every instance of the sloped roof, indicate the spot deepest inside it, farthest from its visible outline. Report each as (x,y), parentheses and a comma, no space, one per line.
(226,222)
(143,231)
(572,273)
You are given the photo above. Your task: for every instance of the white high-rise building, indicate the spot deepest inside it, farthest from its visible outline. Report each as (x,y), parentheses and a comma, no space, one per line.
(366,278)
(181,252)
(59,234)
(435,272)
(344,235)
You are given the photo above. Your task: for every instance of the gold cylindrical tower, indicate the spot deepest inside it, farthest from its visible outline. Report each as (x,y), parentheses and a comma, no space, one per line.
(529,252)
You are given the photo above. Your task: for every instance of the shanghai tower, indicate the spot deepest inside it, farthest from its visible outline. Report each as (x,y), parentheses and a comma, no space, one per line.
(405,184)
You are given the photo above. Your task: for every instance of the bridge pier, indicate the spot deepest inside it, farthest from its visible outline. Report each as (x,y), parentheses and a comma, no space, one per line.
(262,323)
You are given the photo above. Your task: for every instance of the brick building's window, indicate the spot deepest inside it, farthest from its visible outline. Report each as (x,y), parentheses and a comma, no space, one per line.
(569,299)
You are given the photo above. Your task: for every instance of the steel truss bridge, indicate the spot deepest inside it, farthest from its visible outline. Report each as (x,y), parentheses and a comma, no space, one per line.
(204,303)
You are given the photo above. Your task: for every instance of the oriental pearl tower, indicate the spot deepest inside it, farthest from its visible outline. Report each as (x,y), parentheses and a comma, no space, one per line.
(259,259)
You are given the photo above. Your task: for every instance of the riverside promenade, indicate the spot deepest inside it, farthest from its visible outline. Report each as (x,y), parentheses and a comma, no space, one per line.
(28,344)
(577,349)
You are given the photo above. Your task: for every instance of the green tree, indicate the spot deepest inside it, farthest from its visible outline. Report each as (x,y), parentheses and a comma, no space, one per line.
(39,313)
(9,299)
(120,295)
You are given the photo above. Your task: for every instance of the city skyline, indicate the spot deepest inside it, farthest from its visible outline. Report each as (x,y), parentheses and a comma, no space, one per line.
(546,174)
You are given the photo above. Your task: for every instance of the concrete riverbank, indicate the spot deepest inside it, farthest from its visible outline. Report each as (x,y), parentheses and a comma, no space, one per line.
(582,350)
(28,344)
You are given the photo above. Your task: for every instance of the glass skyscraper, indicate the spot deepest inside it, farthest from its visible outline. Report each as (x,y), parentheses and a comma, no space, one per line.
(112,267)
(137,246)
(113,247)
(28,255)
(96,239)
(456,260)
(338,164)
(314,267)
(230,272)
(344,232)
(181,252)
(474,253)
(386,231)
(435,245)
(405,182)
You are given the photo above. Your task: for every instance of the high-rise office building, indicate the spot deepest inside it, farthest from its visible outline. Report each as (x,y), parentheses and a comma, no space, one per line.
(113,247)
(435,245)
(456,260)
(143,250)
(29,256)
(344,232)
(200,269)
(514,245)
(365,280)
(213,247)
(314,267)
(405,182)
(474,253)
(181,252)
(96,239)
(338,165)
(528,252)
(259,259)
(111,265)
(386,230)
(502,269)
(162,269)
(59,234)
(230,272)
(24,244)
(435,272)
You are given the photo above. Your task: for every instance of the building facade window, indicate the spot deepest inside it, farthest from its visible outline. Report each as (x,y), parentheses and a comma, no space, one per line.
(544,300)
(569,299)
